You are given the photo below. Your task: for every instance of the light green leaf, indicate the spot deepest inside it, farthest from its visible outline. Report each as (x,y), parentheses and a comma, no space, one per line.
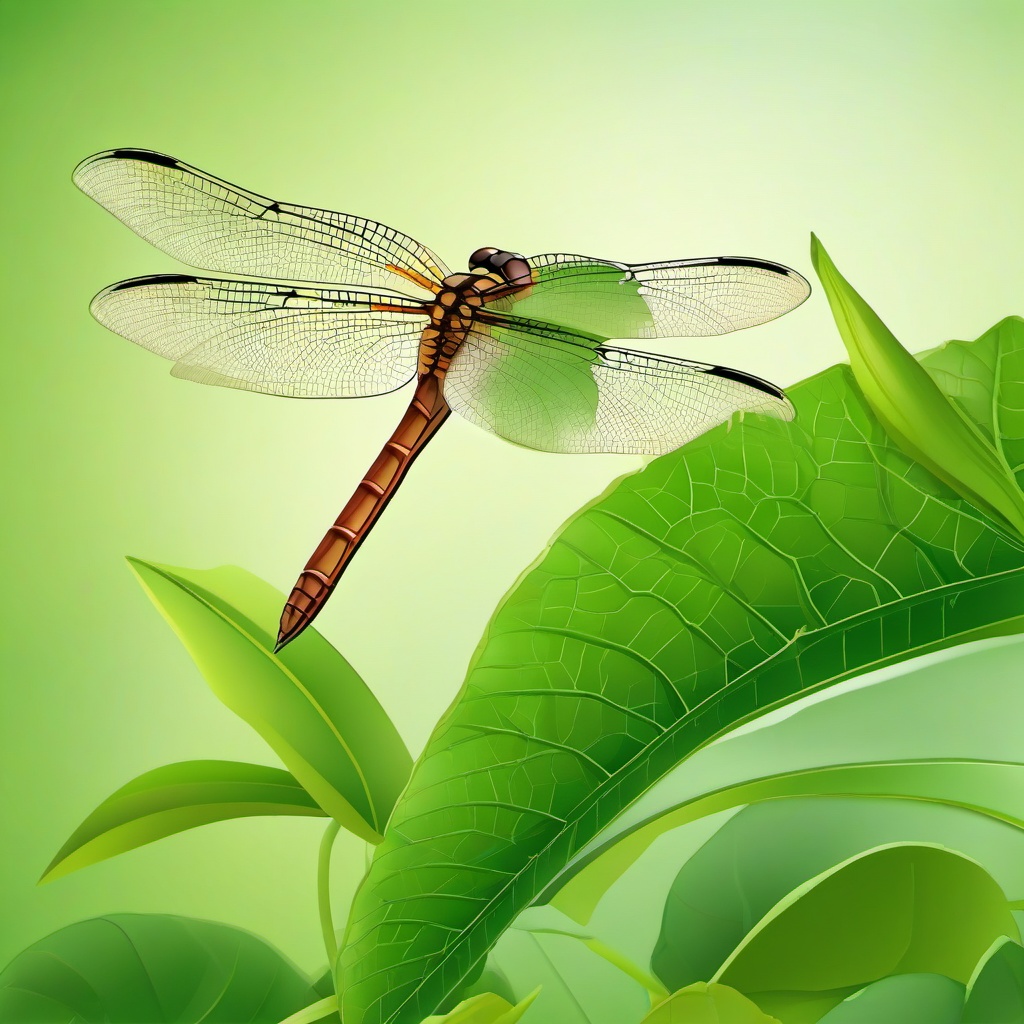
(307,702)
(769,849)
(321,1009)
(486,1008)
(174,798)
(993,788)
(995,992)
(701,1003)
(905,908)
(924,421)
(761,562)
(903,998)
(154,968)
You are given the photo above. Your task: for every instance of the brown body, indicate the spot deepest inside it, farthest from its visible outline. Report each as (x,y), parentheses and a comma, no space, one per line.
(451,316)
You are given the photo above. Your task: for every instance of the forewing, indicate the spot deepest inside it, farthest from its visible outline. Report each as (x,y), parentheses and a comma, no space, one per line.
(561,391)
(211,224)
(679,298)
(279,339)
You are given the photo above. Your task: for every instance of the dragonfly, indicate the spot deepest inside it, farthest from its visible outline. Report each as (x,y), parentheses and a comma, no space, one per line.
(331,305)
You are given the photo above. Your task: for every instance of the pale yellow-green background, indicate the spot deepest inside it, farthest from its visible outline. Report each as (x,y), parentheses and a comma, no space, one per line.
(636,131)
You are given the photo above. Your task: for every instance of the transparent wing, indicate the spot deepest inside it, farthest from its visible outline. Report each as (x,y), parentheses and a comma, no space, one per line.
(278,339)
(562,391)
(213,225)
(680,298)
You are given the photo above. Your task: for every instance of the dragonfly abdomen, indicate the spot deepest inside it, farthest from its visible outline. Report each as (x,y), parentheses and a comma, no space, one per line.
(427,411)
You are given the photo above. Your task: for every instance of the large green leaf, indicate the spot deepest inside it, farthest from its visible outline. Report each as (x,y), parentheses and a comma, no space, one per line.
(995,992)
(902,909)
(174,798)
(768,850)
(152,968)
(991,788)
(761,562)
(306,701)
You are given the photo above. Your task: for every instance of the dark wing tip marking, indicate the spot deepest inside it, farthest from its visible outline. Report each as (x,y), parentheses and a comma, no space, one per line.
(750,261)
(746,378)
(146,155)
(138,282)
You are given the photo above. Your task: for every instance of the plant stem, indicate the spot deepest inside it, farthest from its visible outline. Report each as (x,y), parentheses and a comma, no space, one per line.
(323,891)
(655,990)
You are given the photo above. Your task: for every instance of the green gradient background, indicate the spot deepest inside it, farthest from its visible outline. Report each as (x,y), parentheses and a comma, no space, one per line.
(630,131)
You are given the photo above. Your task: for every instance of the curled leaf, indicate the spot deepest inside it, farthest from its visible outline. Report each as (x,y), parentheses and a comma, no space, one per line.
(912,408)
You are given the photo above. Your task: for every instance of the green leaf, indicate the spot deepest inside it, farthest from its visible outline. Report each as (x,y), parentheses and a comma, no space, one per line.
(320,1010)
(903,998)
(701,1003)
(486,1008)
(173,799)
(992,788)
(996,989)
(761,562)
(906,908)
(924,421)
(307,702)
(154,968)
(768,850)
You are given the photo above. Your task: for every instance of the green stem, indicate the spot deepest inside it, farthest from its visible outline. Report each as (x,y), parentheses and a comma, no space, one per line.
(323,891)
(655,990)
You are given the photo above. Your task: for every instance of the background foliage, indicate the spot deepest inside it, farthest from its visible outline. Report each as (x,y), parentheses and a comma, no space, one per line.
(642,134)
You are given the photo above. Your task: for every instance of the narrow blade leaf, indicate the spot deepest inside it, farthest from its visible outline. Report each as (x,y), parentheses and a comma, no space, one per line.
(307,702)
(175,798)
(992,788)
(911,406)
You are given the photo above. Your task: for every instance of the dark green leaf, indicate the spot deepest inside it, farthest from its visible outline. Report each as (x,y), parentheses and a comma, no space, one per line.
(995,994)
(761,562)
(307,702)
(175,798)
(900,909)
(769,849)
(151,969)
(902,999)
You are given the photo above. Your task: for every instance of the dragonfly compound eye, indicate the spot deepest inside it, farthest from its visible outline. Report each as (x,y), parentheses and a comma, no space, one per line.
(481,259)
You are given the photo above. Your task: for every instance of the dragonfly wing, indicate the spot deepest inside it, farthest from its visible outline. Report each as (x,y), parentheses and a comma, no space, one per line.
(214,225)
(679,298)
(560,391)
(279,339)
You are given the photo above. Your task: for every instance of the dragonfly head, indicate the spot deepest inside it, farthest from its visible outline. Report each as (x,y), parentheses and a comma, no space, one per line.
(509,266)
